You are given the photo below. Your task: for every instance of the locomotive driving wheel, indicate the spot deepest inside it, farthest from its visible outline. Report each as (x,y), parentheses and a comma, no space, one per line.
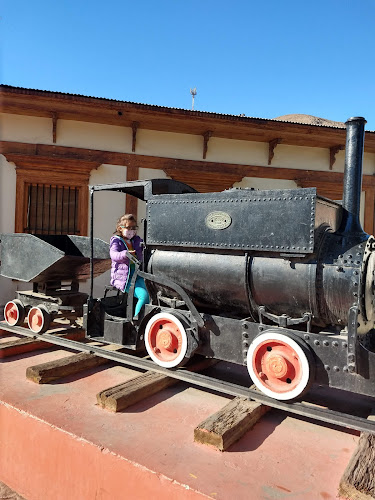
(38,319)
(14,312)
(166,340)
(279,366)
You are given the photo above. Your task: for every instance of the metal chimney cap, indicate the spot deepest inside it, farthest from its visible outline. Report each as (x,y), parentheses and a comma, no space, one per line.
(356,119)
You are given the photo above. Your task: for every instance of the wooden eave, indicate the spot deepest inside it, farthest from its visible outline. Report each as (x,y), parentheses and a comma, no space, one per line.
(119,113)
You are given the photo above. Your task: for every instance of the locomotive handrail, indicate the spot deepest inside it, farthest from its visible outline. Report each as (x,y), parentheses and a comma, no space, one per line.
(171,284)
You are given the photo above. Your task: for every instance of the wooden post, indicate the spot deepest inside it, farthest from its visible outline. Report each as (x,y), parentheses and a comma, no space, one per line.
(332,154)
(54,127)
(358,480)
(135,126)
(369,210)
(271,149)
(131,204)
(206,138)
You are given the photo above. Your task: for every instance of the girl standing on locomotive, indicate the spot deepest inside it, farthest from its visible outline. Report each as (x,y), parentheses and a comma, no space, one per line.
(125,239)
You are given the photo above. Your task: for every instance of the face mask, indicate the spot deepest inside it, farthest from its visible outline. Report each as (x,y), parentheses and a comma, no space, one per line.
(128,233)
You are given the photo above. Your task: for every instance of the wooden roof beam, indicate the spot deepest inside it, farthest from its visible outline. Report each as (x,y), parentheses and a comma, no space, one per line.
(54,126)
(332,154)
(206,138)
(271,149)
(135,126)
(52,155)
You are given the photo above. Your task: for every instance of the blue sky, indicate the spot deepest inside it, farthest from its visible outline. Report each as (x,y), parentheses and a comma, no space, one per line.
(261,58)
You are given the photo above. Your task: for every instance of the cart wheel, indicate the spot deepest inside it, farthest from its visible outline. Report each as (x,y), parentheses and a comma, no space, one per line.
(279,366)
(38,319)
(14,312)
(166,340)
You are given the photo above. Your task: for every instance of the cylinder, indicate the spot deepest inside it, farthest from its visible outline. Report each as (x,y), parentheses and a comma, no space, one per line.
(283,287)
(215,282)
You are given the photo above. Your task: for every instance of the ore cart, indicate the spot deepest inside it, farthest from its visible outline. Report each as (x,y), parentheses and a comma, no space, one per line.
(54,264)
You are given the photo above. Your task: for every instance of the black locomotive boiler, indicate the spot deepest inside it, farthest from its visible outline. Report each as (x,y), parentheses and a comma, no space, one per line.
(281,281)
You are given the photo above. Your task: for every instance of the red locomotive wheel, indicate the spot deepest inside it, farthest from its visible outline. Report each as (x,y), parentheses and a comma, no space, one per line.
(38,319)
(278,366)
(166,340)
(14,312)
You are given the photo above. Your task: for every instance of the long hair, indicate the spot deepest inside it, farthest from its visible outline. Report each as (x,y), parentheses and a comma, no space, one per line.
(122,222)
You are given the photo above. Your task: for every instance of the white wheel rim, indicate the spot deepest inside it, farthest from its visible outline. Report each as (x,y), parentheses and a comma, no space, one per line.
(184,343)
(304,366)
(11,302)
(30,316)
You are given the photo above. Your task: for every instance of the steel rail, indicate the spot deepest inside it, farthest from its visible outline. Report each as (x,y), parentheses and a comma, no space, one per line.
(302,409)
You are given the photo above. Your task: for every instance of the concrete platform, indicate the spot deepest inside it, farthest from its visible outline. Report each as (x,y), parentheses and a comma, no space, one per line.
(56,443)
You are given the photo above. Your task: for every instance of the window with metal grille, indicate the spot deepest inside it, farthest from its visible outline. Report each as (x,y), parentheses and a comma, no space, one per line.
(52,209)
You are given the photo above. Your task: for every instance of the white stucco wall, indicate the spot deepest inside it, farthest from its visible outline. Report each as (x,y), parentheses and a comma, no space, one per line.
(109,206)
(7,217)
(94,136)
(167,144)
(262,183)
(147,174)
(22,128)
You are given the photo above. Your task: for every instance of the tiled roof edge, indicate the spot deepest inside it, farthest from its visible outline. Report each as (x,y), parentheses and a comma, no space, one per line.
(28,91)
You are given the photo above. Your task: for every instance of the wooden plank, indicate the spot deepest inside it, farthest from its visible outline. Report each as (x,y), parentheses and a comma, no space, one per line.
(132,391)
(230,423)
(358,480)
(21,346)
(59,368)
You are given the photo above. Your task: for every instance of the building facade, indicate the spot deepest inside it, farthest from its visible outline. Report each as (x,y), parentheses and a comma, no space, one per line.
(54,145)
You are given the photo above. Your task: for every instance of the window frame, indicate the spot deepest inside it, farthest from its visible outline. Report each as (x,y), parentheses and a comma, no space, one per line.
(67,173)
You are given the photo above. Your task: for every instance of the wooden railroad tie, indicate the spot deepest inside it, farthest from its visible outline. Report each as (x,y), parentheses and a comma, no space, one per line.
(123,395)
(358,480)
(229,424)
(29,344)
(70,365)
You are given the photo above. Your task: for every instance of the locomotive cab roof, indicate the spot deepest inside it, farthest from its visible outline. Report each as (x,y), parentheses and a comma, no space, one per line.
(144,190)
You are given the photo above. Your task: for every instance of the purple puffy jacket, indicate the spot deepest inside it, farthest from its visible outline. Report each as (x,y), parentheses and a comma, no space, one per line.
(120,263)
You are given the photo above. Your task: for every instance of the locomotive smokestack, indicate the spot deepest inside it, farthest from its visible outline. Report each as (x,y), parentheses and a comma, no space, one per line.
(351,202)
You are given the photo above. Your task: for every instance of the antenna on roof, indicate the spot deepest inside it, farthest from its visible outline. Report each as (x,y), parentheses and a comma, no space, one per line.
(193,93)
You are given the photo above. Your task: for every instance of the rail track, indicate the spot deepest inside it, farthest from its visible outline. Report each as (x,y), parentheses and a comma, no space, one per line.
(305,408)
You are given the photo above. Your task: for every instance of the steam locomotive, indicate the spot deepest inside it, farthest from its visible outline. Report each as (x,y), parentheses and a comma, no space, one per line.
(281,281)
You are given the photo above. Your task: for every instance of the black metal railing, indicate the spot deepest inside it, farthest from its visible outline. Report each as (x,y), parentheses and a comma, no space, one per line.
(52,209)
